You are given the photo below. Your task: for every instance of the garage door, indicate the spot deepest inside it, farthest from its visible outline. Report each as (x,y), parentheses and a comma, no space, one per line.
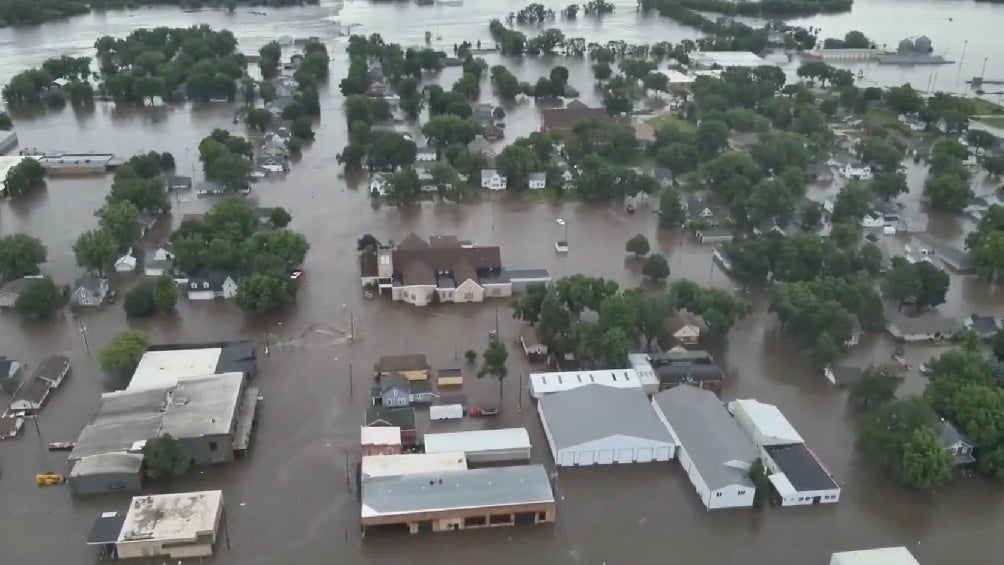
(606,457)
(662,454)
(585,458)
(644,454)
(567,458)
(625,456)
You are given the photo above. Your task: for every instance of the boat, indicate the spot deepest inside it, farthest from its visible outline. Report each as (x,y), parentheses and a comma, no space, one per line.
(61,446)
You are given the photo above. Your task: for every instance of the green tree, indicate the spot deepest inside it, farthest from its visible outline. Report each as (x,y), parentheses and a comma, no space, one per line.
(506,83)
(405,187)
(870,257)
(884,435)
(997,344)
(656,267)
(853,202)
(758,474)
(96,250)
(279,217)
(614,344)
(139,301)
(495,357)
(825,352)
(876,387)
(260,293)
(678,157)
(24,175)
(20,255)
(258,118)
(527,306)
(121,221)
(671,209)
(638,245)
(120,356)
(5,122)
(711,138)
(165,293)
(447,129)
(926,463)
(516,162)
(352,157)
(888,185)
(845,234)
(653,310)
(390,151)
(166,458)
(40,299)
(949,192)
(287,245)
(145,193)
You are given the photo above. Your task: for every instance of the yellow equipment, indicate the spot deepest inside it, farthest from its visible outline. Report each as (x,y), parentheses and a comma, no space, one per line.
(49,479)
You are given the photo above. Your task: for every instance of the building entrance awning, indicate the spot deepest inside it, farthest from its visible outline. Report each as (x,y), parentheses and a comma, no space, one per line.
(106,529)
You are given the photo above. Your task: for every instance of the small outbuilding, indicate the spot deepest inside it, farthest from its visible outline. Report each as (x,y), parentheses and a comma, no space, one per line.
(529,338)
(599,425)
(106,472)
(483,446)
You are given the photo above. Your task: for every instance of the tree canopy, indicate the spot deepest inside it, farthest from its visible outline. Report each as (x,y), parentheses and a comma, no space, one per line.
(20,255)
(120,356)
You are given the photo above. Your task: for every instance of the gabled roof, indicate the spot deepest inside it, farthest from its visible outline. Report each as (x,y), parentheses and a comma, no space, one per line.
(216,279)
(92,284)
(400,363)
(718,448)
(403,418)
(950,435)
(417,262)
(593,412)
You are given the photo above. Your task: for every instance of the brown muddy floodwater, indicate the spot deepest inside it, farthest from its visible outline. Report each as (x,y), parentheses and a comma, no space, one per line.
(289,502)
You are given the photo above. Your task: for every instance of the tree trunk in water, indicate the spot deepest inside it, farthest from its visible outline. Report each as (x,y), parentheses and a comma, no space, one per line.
(500,393)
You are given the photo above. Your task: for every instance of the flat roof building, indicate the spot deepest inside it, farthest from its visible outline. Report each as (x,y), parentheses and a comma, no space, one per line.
(883,556)
(548,383)
(599,425)
(457,500)
(176,525)
(163,365)
(764,423)
(712,449)
(411,464)
(727,59)
(380,440)
(483,446)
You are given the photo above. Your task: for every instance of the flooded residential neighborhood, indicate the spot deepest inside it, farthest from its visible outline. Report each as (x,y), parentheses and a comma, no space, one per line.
(294,497)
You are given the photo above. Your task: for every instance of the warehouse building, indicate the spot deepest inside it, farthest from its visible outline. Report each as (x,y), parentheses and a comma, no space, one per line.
(177,526)
(796,475)
(549,383)
(883,556)
(106,472)
(483,446)
(712,449)
(457,500)
(411,464)
(163,365)
(599,425)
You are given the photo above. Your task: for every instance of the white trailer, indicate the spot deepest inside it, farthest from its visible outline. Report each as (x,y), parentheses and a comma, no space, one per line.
(446,412)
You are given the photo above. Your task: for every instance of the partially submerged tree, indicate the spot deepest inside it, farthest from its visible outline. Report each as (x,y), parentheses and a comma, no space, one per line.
(166,458)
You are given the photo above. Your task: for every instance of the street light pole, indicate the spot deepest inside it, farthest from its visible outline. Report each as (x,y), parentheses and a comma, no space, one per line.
(83,332)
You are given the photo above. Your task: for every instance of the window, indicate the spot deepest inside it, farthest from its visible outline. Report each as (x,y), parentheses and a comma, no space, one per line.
(542,516)
(742,492)
(500,519)
(213,446)
(205,285)
(718,494)
(468,296)
(473,521)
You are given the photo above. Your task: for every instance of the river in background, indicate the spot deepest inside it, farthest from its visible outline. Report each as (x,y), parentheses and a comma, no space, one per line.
(290,502)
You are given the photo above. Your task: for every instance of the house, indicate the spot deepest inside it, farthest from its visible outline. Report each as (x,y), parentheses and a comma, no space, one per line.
(395,390)
(379,184)
(842,375)
(679,366)
(90,290)
(492,180)
(10,371)
(567,180)
(426,155)
(882,556)
(402,418)
(480,145)
(856,171)
(542,384)
(414,367)
(160,263)
(796,476)
(271,163)
(599,425)
(177,182)
(713,450)
(483,446)
(126,263)
(563,120)
(529,338)
(492,132)
(147,221)
(34,390)
(380,440)
(663,176)
(10,292)
(448,500)
(984,326)
(171,525)
(10,426)
(927,326)
(690,328)
(644,134)
(537,181)
(715,236)
(217,284)
(699,209)
(427,183)
(956,443)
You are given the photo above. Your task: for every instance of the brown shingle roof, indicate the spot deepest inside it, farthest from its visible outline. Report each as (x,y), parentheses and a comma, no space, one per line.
(368,264)
(564,119)
(399,363)
(419,266)
(413,242)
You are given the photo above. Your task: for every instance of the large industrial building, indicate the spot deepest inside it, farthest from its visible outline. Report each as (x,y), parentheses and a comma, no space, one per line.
(600,425)
(162,365)
(549,383)
(211,415)
(796,475)
(457,499)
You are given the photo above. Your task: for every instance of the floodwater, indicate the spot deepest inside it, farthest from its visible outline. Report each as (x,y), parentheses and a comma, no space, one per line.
(290,502)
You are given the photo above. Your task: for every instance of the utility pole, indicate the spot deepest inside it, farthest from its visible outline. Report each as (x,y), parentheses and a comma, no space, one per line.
(351,396)
(519,398)
(83,332)
(348,477)
(352,325)
(497,336)
(226,528)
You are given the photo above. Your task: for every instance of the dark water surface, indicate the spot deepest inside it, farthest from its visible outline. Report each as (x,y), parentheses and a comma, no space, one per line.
(288,503)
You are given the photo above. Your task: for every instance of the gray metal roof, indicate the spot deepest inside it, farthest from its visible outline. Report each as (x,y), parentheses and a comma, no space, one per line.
(594,412)
(203,406)
(710,436)
(106,463)
(122,419)
(451,490)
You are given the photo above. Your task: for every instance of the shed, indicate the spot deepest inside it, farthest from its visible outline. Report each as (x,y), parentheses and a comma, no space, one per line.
(599,425)
(483,446)
(529,338)
(107,472)
(763,423)
(547,383)
(450,377)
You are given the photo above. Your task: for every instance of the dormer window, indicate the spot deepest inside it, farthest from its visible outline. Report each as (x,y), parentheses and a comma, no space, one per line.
(195,285)
(205,285)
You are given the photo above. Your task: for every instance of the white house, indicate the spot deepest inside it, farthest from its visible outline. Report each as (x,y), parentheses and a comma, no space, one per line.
(425,155)
(90,290)
(713,450)
(126,263)
(160,263)
(858,172)
(379,185)
(599,425)
(213,285)
(537,181)
(567,180)
(492,180)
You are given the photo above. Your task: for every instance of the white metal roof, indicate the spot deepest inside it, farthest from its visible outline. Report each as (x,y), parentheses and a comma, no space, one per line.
(641,365)
(161,369)
(380,435)
(769,422)
(412,463)
(169,517)
(883,556)
(547,383)
(478,440)
(728,59)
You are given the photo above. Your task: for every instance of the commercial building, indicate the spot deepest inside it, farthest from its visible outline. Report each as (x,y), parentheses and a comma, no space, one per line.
(458,500)
(883,556)
(76,163)
(180,525)
(380,440)
(727,59)
(483,446)
(411,464)
(548,383)
(212,416)
(600,425)
(796,475)
(712,449)
(679,366)
(163,365)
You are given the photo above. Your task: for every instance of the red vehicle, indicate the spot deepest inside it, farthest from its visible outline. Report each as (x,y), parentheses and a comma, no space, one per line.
(483,412)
